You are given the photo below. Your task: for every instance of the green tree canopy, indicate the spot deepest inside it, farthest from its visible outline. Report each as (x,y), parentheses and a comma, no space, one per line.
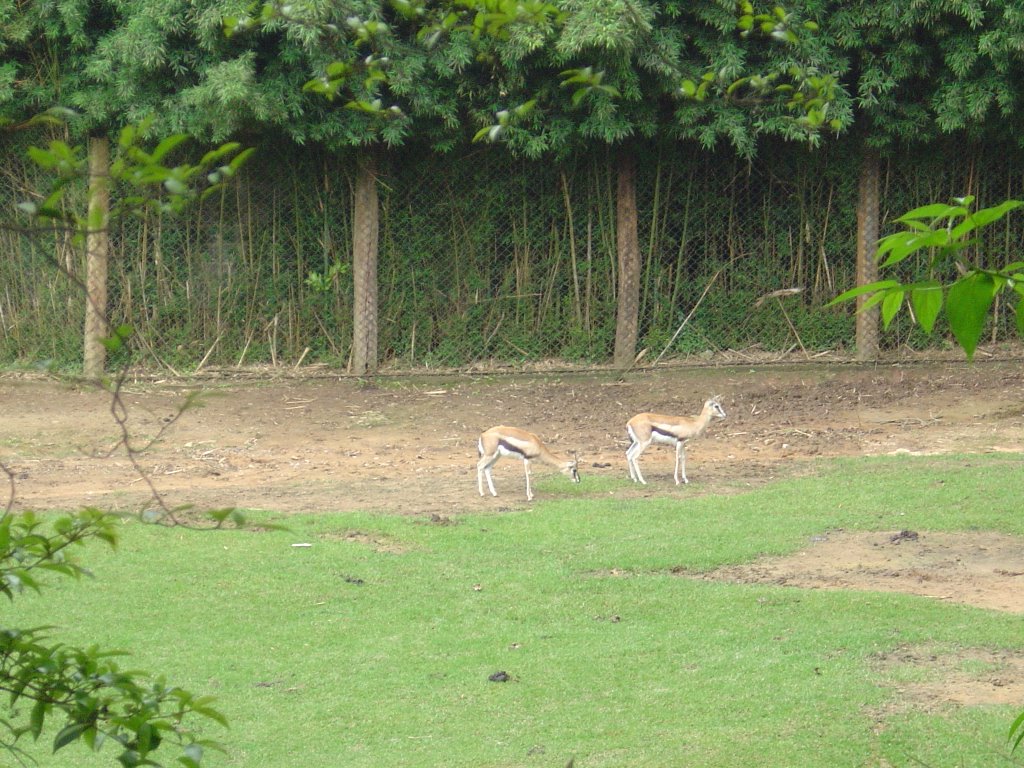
(918,70)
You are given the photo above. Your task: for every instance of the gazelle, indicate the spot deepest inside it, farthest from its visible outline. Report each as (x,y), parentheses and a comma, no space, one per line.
(647,428)
(517,443)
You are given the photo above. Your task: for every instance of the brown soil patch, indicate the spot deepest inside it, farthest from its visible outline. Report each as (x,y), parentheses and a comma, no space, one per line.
(931,679)
(980,569)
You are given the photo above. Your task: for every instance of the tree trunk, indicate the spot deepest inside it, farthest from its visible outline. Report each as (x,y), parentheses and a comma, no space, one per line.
(97,255)
(628,247)
(867,247)
(365,227)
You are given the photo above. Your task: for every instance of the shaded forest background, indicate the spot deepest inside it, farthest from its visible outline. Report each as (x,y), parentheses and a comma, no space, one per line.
(485,258)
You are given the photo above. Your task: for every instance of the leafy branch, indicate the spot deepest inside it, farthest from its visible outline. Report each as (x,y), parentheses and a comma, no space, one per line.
(946,234)
(100,702)
(804,90)
(93,700)
(154,184)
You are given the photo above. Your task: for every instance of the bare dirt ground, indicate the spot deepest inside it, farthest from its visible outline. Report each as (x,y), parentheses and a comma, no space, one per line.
(408,446)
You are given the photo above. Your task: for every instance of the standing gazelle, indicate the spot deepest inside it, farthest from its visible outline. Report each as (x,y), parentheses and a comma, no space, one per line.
(647,428)
(517,443)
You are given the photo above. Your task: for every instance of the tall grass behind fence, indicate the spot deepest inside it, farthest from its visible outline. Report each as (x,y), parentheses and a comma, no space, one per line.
(484,258)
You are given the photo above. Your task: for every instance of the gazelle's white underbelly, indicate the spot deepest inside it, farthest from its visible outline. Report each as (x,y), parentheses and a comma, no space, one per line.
(663,439)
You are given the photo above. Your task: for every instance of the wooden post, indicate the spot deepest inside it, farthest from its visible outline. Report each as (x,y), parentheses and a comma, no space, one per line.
(97,257)
(867,247)
(365,230)
(628,247)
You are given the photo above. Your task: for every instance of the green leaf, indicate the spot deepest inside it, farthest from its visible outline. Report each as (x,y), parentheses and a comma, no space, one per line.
(985,217)
(129,758)
(175,186)
(68,734)
(525,108)
(213,714)
(736,84)
(934,211)
(926,301)
(903,244)
(37,718)
(112,343)
(127,136)
(967,308)
(490,132)
(860,290)
(1017,728)
(874,299)
(167,146)
(192,757)
(890,306)
(1020,318)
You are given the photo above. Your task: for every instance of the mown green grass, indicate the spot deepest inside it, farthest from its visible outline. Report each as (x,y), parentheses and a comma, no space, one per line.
(373,646)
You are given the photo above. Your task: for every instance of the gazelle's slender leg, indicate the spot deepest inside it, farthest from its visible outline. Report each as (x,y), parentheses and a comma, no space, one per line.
(680,462)
(526,468)
(483,469)
(632,455)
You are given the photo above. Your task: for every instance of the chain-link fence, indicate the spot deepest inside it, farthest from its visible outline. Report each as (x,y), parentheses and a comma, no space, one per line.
(486,260)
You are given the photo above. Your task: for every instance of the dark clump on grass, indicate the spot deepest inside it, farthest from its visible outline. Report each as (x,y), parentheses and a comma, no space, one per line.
(896,538)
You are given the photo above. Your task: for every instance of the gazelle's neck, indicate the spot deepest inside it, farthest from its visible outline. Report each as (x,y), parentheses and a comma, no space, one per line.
(553,459)
(706,414)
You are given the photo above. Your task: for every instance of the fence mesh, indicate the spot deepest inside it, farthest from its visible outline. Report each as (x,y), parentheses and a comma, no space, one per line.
(483,260)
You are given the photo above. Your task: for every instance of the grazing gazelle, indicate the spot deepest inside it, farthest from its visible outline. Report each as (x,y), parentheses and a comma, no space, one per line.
(517,443)
(647,428)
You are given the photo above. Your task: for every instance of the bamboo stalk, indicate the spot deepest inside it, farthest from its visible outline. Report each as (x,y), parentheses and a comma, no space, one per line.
(578,310)
(648,264)
(272,338)
(208,353)
(590,273)
(245,349)
(684,239)
(824,281)
(688,316)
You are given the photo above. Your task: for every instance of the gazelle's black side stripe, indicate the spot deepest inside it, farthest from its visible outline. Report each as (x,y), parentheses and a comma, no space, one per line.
(510,447)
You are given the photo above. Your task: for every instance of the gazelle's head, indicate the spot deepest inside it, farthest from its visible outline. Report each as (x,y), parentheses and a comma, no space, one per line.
(715,407)
(572,469)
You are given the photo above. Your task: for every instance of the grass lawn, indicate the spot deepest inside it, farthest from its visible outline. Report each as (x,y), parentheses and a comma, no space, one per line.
(373,646)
